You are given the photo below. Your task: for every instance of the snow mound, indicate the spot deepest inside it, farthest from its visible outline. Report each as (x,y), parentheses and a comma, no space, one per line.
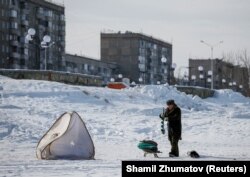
(228,95)
(162,93)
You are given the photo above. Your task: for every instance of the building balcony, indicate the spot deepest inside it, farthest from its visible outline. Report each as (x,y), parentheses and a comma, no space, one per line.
(63,63)
(50,61)
(13,7)
(24,11)
(14,43)
(25,45)
(62,23)
(76,70)
(13,15)
(15,55)
(61,32)
(25,57)
(41,28)
(69,69)
(16,66)
(48,16)
(62,43)
(25,22)
(15,31)
(40,16)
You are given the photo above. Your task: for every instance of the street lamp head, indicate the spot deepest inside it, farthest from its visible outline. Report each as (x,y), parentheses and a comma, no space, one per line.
(46,38)
(28,37)
(31,31)
(43,44)
(163,59)
(120,76)
(200,68)
(201,76)
(193,77)
(112,80)
(174,65)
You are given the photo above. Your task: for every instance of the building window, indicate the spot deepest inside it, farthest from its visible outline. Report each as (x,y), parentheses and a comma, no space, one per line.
(86,67)
(13,2)
(105,70)
(48,13)
(40,10)
(13,25)
(62,17)
(99,69)
(22,62)
(26,51)
(13,13)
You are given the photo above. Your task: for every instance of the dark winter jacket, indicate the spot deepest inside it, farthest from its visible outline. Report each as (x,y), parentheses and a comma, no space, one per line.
(174,121)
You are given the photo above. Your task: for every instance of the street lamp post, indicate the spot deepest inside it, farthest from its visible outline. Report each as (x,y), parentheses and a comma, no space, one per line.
(212,48)
(140,80)
(120,77)
(164,61)
(223,83)
(201,76)
(112,79)
(172,78)
(46,43)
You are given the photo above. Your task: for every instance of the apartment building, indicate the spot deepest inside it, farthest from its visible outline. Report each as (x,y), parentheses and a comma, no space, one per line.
(90,66)
(139,57)
(46,18)
(225,75)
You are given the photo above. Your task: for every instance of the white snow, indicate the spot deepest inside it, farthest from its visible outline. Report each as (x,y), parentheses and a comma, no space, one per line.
(217,128)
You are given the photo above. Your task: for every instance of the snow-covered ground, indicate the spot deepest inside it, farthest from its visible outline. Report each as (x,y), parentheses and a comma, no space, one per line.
(217,128)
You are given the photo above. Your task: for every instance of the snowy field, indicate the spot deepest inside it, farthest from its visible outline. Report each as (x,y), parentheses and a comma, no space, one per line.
(217,128)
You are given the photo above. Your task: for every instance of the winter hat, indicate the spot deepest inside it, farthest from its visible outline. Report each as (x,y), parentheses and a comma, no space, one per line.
(170,102)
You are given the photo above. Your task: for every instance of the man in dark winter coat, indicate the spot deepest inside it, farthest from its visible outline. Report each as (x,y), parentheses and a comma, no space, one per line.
(172,115)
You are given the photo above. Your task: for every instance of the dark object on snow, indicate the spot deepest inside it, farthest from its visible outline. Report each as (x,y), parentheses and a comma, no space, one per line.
(149,147)
(193,154)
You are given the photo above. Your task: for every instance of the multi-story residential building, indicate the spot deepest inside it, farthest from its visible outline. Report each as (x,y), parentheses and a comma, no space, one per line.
(225,75)
(139,57)
(16,18)
(90,66)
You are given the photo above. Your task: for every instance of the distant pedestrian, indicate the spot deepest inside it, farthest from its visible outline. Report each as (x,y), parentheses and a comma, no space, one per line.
(172,115)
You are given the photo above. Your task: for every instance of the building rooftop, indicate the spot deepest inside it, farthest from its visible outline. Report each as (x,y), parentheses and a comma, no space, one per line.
(135,35)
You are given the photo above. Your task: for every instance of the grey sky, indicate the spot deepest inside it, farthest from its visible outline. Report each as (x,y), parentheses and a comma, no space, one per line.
(182,22)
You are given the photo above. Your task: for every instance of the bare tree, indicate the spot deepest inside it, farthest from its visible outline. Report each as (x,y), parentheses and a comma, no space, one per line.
(245,59)
(240,58)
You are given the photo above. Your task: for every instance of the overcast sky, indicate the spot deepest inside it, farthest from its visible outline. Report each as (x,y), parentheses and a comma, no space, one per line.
(182,22)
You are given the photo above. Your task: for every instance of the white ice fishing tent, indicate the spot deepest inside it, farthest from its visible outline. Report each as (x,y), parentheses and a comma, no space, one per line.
(68,138)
